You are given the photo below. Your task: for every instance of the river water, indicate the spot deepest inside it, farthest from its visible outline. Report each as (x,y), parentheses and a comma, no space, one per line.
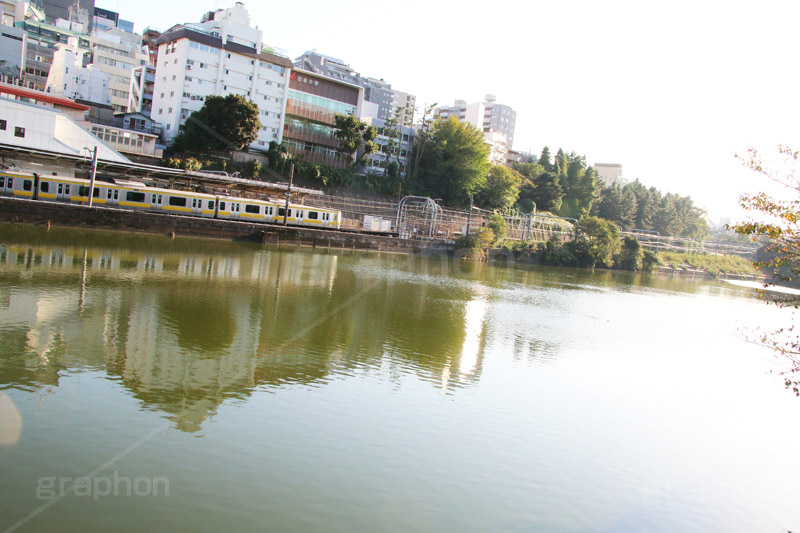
(156,384)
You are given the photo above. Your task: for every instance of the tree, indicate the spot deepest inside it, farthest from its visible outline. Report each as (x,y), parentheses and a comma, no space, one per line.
(617,204)
(224,123)
(354,134)
(598,237)
(498,226)
(421,139)
(631,256)
(778,221)
(501,189)
(544,159)
(454,163)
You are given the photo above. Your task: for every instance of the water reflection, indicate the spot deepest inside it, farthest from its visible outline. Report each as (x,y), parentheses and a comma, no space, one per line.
(185,331)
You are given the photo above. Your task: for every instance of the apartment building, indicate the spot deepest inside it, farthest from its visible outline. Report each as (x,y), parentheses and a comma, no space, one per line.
(497,121)
(311,103)
(394,145)
(376,91)
(220,55)
(70,78)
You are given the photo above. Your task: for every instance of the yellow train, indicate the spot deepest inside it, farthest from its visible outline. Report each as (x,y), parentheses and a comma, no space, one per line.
(138,197)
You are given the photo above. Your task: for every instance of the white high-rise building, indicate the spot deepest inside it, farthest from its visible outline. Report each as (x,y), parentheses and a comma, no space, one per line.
(219,56)
(497,122)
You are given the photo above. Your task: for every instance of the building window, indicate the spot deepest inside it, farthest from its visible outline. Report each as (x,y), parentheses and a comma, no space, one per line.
(19,132)
(2,124)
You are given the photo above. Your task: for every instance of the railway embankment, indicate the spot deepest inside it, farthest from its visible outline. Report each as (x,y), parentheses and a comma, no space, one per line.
(15,210)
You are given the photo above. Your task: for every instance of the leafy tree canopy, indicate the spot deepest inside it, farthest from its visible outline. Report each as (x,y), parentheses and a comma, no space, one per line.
(501,189)
(354,134)
(454,163)
(779,221)
(224,123)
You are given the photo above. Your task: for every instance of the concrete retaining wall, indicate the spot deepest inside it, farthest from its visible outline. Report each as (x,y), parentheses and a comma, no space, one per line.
(80,216)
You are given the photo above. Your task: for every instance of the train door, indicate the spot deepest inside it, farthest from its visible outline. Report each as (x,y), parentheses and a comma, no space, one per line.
(3,181)
(62,192)
(156,200)
(112,196)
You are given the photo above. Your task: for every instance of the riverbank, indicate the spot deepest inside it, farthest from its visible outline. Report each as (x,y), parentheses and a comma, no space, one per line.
(20,211)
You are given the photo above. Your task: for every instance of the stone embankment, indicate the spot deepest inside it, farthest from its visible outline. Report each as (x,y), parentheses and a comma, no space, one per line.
(16,210)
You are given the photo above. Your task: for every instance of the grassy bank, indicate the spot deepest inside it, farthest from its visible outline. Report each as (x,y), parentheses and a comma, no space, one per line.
(714,264)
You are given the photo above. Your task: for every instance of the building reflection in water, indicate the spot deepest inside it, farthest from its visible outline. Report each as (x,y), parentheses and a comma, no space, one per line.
(183,332)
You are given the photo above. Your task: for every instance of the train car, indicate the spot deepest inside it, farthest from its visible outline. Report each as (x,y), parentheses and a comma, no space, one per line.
(138,197)
(16,185)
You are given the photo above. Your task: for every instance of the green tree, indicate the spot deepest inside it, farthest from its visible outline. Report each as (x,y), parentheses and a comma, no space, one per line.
(631,256)
(544,159)
(600,238)
(617,204)
(224,123)
(498,226)
(422,137)
(778,220)
(354,135)
(501,189)
(454,163)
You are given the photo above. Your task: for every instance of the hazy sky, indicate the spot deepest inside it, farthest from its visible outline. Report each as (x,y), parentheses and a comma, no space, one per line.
(669,90)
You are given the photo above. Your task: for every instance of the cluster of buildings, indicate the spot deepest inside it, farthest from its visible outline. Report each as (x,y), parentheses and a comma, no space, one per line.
(139,90)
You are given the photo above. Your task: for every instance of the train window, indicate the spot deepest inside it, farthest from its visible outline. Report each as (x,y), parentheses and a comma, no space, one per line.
(194,202)
(27,185)
(159,199)
(252,209)
(281,211)
(135,196)
(116,194)
(222,206)
(96,193)
(313,215)
(10,183)
(153,200)
(211,204)
(108,194)
(83,191)
(177,200)
(60,188)
(66,189)
(44,186)
(3,181)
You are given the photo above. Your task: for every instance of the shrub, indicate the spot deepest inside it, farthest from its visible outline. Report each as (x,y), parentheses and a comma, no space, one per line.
(630,258)
(498,226)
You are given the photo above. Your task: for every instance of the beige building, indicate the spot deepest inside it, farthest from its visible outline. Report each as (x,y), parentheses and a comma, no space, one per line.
(610,173)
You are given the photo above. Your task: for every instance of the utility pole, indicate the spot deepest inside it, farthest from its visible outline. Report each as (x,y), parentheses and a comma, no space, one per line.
(288,193)
(469,214)
(94,171)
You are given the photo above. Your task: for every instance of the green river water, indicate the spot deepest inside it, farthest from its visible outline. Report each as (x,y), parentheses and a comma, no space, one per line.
(188,385)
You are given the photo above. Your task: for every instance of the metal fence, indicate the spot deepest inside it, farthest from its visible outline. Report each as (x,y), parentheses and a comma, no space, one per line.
(423,219)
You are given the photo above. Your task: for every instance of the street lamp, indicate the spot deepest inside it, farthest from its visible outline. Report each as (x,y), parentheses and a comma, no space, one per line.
(94,171)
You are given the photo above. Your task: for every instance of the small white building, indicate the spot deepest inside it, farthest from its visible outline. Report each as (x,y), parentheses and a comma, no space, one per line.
(68,76)
(30,126)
